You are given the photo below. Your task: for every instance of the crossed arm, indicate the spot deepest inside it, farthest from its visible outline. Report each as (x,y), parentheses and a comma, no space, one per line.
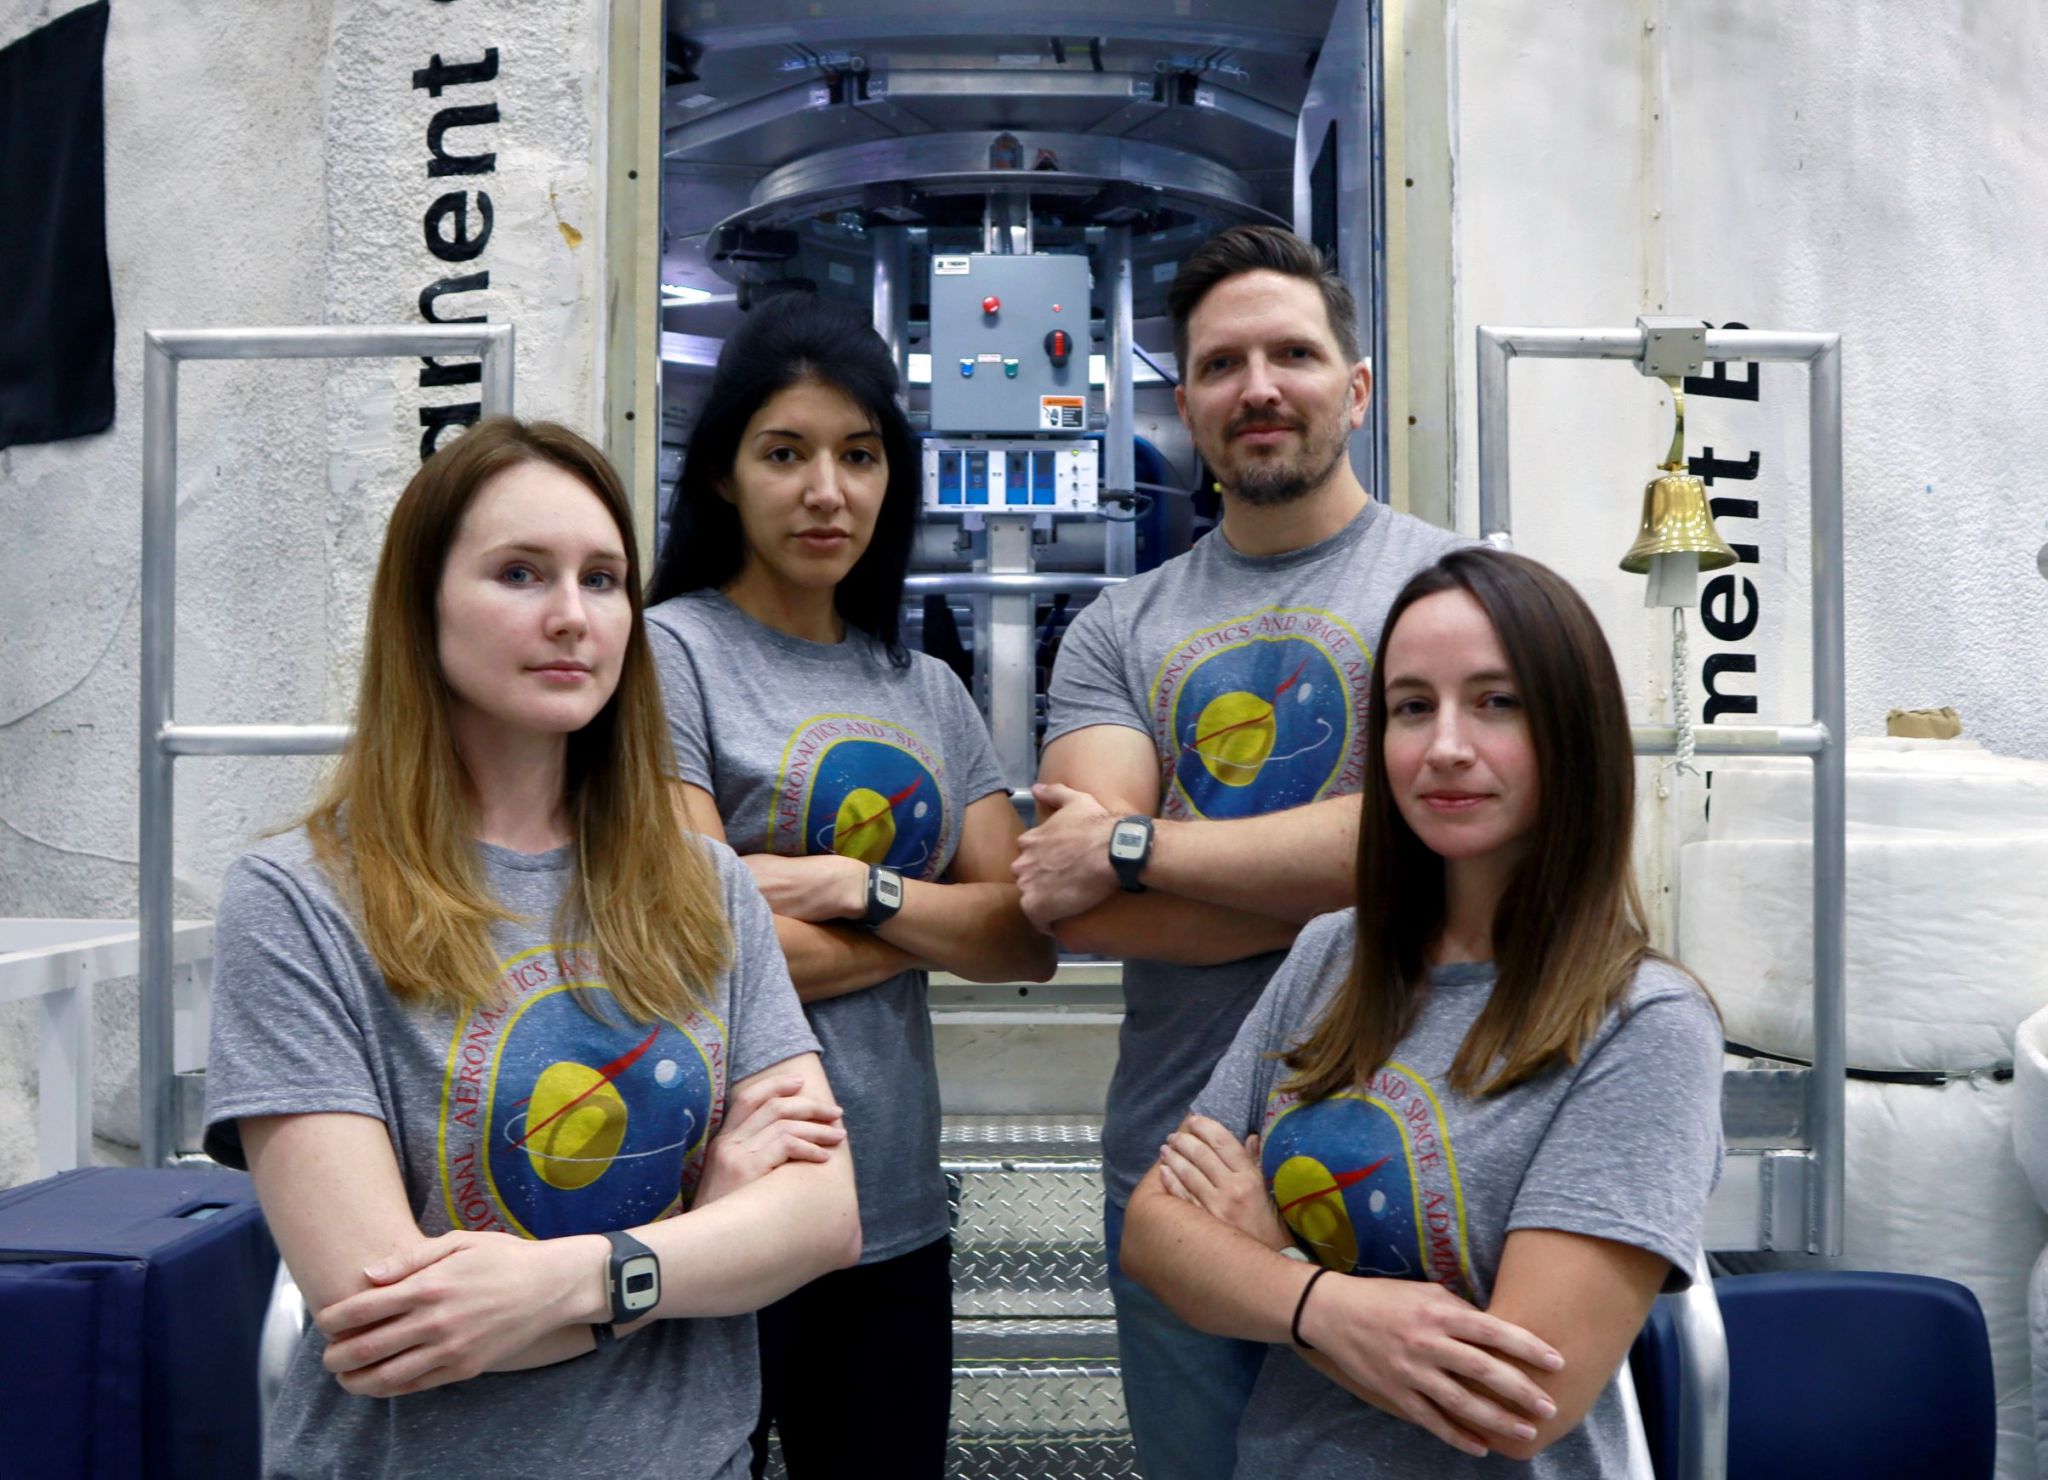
(972,926)
(1215,891)
(405,1312)
(1203,1236)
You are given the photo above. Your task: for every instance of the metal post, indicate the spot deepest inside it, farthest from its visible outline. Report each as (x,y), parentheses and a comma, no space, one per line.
(1826,1088)
(161,739)
(892,289)
(155,791)
(1012,694)
(1119,463)
(1703,1385)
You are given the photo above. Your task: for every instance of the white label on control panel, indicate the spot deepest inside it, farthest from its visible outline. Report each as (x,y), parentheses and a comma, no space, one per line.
(950,266)
(989,359)
(839,272)
(1062,414)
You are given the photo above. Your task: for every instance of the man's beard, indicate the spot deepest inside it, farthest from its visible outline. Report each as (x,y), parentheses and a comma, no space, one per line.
(1268,484)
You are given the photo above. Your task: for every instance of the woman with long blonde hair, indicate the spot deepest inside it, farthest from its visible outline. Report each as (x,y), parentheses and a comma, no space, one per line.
(1469,1131)
(530,1104)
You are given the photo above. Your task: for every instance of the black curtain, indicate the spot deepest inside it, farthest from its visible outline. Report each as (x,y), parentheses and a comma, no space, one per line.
(56,297)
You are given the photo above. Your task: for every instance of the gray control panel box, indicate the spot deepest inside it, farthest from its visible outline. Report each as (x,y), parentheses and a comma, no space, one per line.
(991,320)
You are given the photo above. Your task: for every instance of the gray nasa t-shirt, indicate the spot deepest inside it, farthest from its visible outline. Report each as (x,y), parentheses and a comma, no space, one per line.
(489,1113)
(830,748)
(1406,1178)
(1251,676)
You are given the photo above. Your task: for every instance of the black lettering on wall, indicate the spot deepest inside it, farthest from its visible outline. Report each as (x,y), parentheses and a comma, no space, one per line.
(433,372)
(437,419)
(1718,613)
(456,228)
(473,115)
(438,74)
(1707,467)
(1719,703)
(434,292)
(447,229)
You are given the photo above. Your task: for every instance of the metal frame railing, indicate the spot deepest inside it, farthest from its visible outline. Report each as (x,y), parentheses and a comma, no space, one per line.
(163,740)
(1662,347)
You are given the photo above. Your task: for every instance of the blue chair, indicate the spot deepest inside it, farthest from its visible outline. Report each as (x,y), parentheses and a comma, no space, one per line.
(1836,1374)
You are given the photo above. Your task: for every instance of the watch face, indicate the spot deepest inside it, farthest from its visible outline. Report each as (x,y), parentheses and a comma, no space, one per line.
(889,889)
(640,1282)
(1127,841)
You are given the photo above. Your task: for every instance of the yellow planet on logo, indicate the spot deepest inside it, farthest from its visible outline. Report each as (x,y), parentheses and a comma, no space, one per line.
(864,827)
(1311,1202)
(1234,736)
(582,1124)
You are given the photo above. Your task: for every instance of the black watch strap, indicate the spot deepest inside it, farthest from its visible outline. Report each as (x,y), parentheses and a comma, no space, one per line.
(632,1278)
(885,895)
(1129,852)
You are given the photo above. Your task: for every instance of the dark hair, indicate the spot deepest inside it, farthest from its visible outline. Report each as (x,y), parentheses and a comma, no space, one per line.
(789,339)
(1569,931)
(1259,249)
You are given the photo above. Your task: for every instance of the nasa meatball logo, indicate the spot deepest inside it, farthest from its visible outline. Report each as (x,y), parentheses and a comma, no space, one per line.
(1264,712)
(862,788)
(1367,1182)
(556,1119)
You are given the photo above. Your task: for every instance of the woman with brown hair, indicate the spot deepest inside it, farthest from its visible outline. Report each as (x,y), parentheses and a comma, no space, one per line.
(1479,1099)
(502,1042)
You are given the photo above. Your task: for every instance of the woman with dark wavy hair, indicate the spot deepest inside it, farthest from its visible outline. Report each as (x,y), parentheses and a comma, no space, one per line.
(532,1110)
(1469,1131)
(858,783)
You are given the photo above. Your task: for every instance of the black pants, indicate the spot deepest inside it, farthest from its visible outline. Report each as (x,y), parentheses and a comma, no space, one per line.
(857,1371)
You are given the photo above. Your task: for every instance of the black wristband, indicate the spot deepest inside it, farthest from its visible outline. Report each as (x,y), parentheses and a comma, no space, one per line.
(1294,1326)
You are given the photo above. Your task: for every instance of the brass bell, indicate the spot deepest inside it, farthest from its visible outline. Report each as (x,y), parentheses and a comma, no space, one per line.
(1676,519)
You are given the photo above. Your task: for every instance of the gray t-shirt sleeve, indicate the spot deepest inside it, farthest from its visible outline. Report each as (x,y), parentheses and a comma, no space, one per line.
(1089,685)
(766,1023)
(286,1039)
(689,729)
(1635,1147)
(1236,1093)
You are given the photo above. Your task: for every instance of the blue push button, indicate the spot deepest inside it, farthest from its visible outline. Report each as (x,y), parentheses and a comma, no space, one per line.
(966,369)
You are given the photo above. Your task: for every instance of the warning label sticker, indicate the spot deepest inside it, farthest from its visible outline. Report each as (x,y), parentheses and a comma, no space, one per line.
(1062,414)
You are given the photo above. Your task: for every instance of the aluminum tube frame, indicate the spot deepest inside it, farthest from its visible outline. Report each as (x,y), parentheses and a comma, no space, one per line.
(1826,1110)
(1119,459)
(997,583)
(162,740)
(1703,1385)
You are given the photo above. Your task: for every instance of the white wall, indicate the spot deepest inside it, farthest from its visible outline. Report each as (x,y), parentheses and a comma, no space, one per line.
(266,164)
(1836,165)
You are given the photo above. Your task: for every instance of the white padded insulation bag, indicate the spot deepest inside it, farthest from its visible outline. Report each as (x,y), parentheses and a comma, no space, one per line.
(1947,924)
(1933,1188)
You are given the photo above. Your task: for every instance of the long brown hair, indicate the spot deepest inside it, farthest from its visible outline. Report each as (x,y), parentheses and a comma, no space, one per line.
(395,824)
(1569,931)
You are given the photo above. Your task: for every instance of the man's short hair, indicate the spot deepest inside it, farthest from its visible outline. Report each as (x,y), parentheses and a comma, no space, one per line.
(1259,249)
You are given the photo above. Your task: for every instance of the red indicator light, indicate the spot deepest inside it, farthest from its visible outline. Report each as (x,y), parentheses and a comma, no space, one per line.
(991,303)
